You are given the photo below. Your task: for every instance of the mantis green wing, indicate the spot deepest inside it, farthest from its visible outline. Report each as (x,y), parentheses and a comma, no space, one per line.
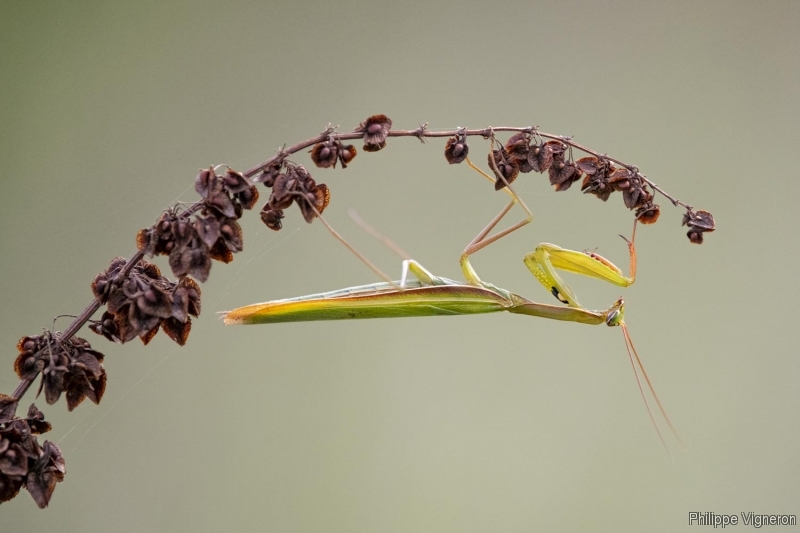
(383,301)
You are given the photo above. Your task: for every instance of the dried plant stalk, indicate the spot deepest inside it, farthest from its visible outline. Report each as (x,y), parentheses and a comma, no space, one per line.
(140,301)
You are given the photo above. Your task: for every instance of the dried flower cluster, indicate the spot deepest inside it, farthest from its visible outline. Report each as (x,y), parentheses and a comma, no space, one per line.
(375,130)
(699,222)
(326,154)
(144,301)
(214,232)
(140,301)
(69,366)
(293,185)
(525,151)
(23,461)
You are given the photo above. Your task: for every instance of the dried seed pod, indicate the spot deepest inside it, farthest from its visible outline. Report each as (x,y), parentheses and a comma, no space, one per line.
(147,336)
(563,173)
(506,166)
(282,191)
(142,322)
(636,194)
(620,179)
(456,149)
(517,147)
(231,235)
(375,129)
(69,366)
(207,183)
(699,222)
(220,252)
(126,330)
(10,486)
(318,197)
(36,422)
(193,294)
(23,462)
(272,217)
(346,154)
(86,379)
(246,198)
(599,188)
(27,366)
(268,175)
(103,284)
(223,204)
(154,301)
(325,154)
(192,259)
(212,189)
(107,327)
(44,473)
(648,213)
(540,156)
(235,182)
(182,232)
(207,229)
(302,175)
(15,460)
(177,330)
(147,269)
(185,299)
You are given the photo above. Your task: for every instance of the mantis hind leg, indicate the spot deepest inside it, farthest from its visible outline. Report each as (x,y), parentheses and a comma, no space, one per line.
(548,258)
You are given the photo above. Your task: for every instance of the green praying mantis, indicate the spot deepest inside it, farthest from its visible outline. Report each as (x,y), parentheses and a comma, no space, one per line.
(429,295)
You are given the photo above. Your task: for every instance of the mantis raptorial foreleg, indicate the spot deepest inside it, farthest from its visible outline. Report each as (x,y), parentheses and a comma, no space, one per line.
(546,258)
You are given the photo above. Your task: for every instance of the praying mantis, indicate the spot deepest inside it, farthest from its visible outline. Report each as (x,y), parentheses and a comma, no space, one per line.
(430,295)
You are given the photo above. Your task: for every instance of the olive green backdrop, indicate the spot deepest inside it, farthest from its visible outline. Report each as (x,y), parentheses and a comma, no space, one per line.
(483,423)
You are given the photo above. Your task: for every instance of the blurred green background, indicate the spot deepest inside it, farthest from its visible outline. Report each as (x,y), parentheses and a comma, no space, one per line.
(482,423)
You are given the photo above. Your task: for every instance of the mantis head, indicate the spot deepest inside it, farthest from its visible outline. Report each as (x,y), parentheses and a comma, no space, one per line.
(615,316)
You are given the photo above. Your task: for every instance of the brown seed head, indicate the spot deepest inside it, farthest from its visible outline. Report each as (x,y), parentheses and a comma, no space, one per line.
(325,154)
(272,217)
(563,173)
(518,148)
(699,222)
(456,149)
(346,154)
(375,130)
(505,165)
(648,213)
(247,198)
(268,175)
(540,156)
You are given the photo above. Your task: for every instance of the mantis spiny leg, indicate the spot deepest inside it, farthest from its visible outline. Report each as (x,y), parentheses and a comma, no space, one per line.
(546,258)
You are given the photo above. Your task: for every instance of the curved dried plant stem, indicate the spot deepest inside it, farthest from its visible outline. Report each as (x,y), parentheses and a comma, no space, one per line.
(422,132)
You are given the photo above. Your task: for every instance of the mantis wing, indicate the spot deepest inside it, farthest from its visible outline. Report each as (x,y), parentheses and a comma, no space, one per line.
(419,301)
